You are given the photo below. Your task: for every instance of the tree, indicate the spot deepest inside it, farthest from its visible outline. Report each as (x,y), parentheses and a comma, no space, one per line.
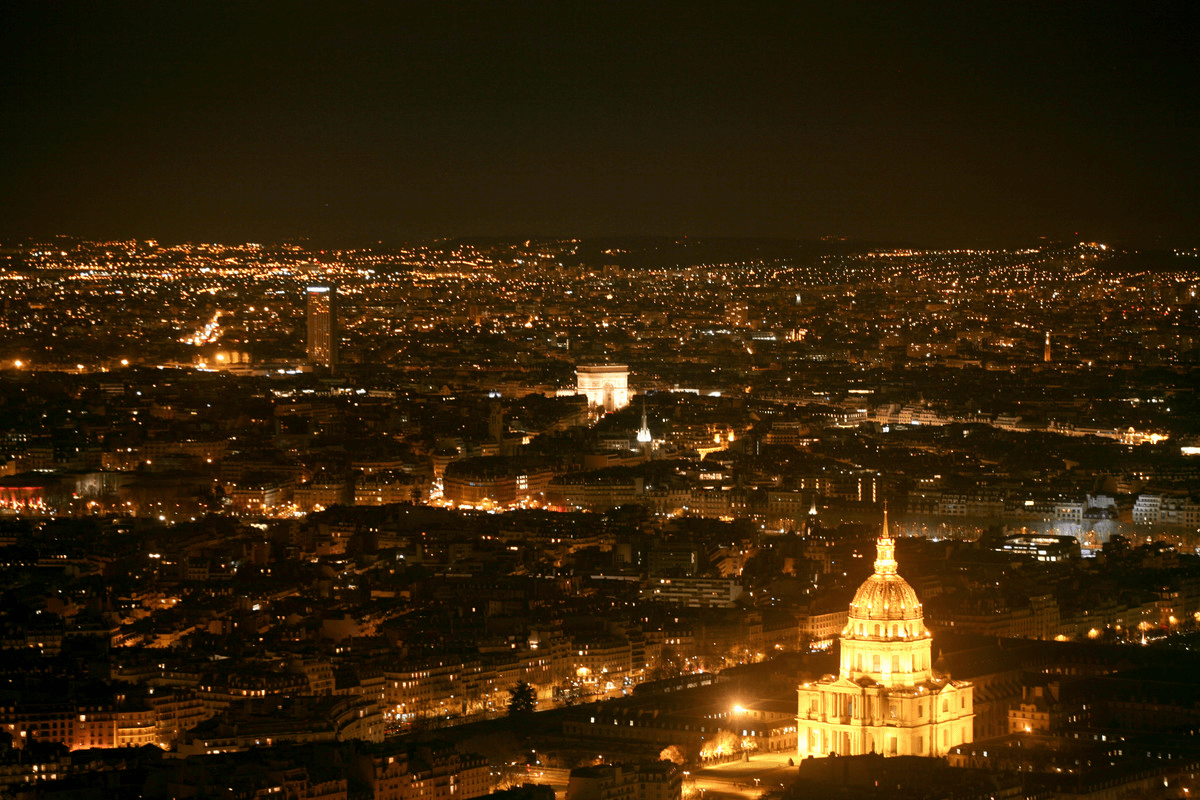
(523,700)
(674,754)
(724,743)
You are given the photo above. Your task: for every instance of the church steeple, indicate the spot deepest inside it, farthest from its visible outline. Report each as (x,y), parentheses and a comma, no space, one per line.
(643,435)
(885,549)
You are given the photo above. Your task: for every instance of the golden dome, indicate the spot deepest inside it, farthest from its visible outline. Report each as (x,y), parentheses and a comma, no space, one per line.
(885,596)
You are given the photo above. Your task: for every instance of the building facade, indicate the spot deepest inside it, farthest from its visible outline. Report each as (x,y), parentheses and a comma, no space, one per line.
(606,385)
(886,697)
(322,326)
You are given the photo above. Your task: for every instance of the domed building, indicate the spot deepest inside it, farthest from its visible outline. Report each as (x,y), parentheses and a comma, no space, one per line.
(886,697)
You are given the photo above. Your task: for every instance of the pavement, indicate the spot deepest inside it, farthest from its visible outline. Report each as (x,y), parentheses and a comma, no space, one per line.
(745,780)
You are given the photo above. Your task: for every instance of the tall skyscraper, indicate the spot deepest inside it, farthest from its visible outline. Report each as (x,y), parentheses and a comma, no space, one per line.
(322,326)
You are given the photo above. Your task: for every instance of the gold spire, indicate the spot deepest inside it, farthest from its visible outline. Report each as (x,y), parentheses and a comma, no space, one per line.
(885,549)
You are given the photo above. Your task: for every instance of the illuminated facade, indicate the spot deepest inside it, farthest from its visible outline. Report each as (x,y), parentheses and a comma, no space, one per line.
(322,326)
(886,697)
(606,385)
(645,439)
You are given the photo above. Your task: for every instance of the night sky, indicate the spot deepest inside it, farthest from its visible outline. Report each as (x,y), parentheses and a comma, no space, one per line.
(959,123)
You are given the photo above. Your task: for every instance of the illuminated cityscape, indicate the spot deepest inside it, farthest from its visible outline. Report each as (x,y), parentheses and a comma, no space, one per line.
(600,497)
(599,402)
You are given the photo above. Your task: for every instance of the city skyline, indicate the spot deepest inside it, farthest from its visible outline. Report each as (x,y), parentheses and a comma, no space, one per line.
(651,517)
(599,401)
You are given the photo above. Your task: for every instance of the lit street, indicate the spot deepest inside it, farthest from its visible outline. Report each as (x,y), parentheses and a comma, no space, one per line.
(749,779)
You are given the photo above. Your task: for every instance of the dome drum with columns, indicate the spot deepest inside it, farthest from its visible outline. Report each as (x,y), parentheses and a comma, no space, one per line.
(886,697)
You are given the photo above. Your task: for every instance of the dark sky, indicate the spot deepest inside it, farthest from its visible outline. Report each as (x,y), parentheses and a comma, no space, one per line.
(960,123)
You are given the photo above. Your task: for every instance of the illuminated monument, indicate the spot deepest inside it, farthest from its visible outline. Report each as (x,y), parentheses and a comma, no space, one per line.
(645,439)
(606,385)
(322,326)
(886,697)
